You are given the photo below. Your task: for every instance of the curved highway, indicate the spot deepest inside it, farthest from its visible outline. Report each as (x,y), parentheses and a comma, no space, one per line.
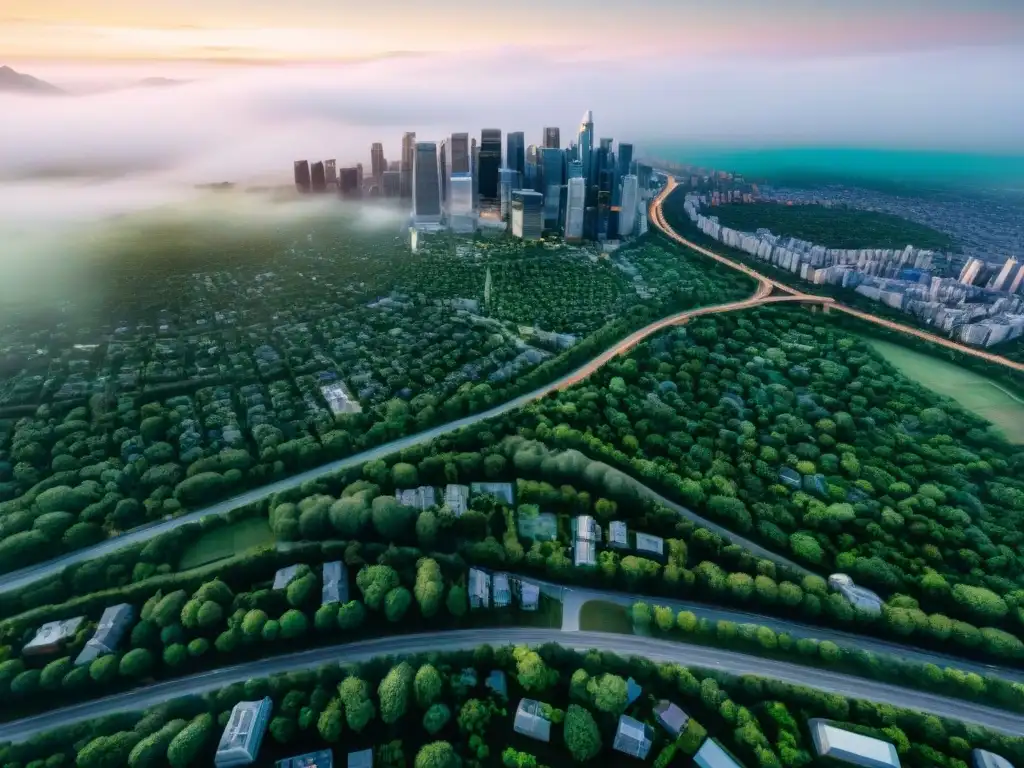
(657,216)
(626,645)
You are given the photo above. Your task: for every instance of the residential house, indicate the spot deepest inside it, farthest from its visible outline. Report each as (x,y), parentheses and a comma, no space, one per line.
(500,491)
(618,535)
(361,759)
(284,576)
(479,589)
(713,755)
(633,738)
(456,498)
(650,546)
(52,637)
(861,598)
(115,621)
(849,747)
(240,742)
(498,683)
(981,758)
(501,592)
(531,722)
(587,536)
(335,580)
(670,717)
(529,595)
(322,759)
(790,478)
(420,498)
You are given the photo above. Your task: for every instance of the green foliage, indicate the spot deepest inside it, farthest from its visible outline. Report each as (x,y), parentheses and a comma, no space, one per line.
(184,749)
(437,754)
(582,736)
(375,581)
(435,718)
(393,692)
(427,685)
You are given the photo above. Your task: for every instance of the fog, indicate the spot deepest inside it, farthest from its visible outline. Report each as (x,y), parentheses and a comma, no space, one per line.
(67,162)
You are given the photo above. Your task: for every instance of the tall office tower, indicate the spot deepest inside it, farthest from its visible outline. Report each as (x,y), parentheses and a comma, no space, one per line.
(318,176)
(574,170)
(527,214)
(461,217)
(359,171)
(426,201)
(303,182)
(391,183)
(331,172)
(643,180)
(348,183)
(531,175)
(442,161)
(408,155)
(625,161)
(508,182)
(490,163)
(970,271)
(590,222)
(377,162)
(628,208)
(395,165)
(575,204)
(586,144)
(474,158)
(604,203)
(552,138)
(515,152)
(459,161)
(606,144)
(1018,281)
(552,175)
(1001,280)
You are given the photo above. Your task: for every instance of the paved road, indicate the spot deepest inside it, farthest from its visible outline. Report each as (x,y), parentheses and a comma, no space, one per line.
(26,576)
(657,217)
(655,650)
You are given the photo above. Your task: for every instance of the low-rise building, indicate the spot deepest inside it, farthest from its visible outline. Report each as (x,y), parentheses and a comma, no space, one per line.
(586,536)
(981,758)
(115,621)
(529,595)
(456,498)
(501,592)
(361,759)
(530,721)
(713,755)
(284,576)
(479,588)
(633,738)
(618,535)
(861,598)
(335,581)
(670,717)
(52,636)
(420,498)
(240,742)
(500,491)
(322,759)
(649,545)
(849,747)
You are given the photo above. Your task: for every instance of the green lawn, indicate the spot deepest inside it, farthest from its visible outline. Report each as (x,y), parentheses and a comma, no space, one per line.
(226,541)
(601,616)
(973,391)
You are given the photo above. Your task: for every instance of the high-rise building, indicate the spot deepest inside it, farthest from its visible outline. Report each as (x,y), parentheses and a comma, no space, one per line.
(628,208)
(348,183)
(527,214)
(303,182)
(1018,282)
(442,162)
(552,138)
(490,163)
(459,153)
(474,155)
(408,155)
(331,172)
(531,174)
(575,204)
(552,175)
(586,144)
(377,162)
(508,182)
(318,176)
(1002,280)
(426,202)
(590,222)
(515,152)
(625,161)
(574,170)
(391,183)
(461,217)
(643,179)
(359,173)
(604,203)
(970,271)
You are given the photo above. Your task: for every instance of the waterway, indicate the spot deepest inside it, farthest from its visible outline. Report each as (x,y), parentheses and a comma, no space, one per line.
(974,392)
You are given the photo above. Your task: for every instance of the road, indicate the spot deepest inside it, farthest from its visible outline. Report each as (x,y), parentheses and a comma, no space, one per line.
(626,645)
(657,217)
(25,576)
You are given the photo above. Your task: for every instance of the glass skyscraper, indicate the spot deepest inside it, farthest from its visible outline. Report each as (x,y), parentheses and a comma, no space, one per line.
(575,204)
(515,152)
(551,167)
(628,209)
(408,153)
(586,144)
(527,214)
(490,163)
(625,164)
(461,217)
(426,202)
(552,138)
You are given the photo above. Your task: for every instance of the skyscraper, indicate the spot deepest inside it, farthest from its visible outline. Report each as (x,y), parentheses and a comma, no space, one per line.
(391,183)
(461,217)
(575,171)
(442,164)
(586,144)
(331,172)
(1018,281)
(303,182)
(527,214)
(459,153)
(348,183)
(377,162)
(490,163)
(515,152)
(474,156)
(508,182)
(408,155)
(604,203)
(1001,281)
(574,206)
(625,162)
(970,271)
(318,176)
(552,138)
(531,173)
(628,209)
(552,176)
(426,203)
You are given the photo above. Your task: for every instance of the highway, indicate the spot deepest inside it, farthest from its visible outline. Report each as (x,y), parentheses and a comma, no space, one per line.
(626,645)
(657,216)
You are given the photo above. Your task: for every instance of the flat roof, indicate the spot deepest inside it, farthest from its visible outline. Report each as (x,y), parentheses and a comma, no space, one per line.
(713,755)
(849,747)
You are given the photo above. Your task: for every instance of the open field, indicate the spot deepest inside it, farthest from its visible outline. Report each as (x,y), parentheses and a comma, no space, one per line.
(226,541)
(972,391)
(602,616)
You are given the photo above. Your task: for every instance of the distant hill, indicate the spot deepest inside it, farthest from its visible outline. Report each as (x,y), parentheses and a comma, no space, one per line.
(16,82)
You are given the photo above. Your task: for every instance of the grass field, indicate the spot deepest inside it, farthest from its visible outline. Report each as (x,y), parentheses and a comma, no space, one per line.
(971,390)
(226,541)
(600,616)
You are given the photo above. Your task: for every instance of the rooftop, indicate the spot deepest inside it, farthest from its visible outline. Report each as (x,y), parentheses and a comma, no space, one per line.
(633,737)
(530,722)
(335,580)
(284,576)
(361,759)
(52,635)
(713,755)
(240,742)
(853,748)
(645,542)
(322,759)
(670,717)
(981,758)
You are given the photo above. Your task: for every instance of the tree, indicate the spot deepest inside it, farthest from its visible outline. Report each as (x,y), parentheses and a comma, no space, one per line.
(437,754)
(168,610)
(253,623)
(393,692)
(375,581)
(396,603)
(326,617)
(475,716)
(330,723)
(293,624)
(104,669)
(355,696)
(429,587)
(582,737)
(184,749)
(301,590)
(983,603)
(393,521)
(151,751)
(26,683)
(107,751)
(351,615)
(136,664)
(457,601)
(404,475)
(283,729)
(531,671)
(435,718)
(210,615)
(427,685)
(175,655)
(609,693)
(53,673)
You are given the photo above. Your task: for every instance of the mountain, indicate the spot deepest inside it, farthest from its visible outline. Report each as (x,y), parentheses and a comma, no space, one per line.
(16,82)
